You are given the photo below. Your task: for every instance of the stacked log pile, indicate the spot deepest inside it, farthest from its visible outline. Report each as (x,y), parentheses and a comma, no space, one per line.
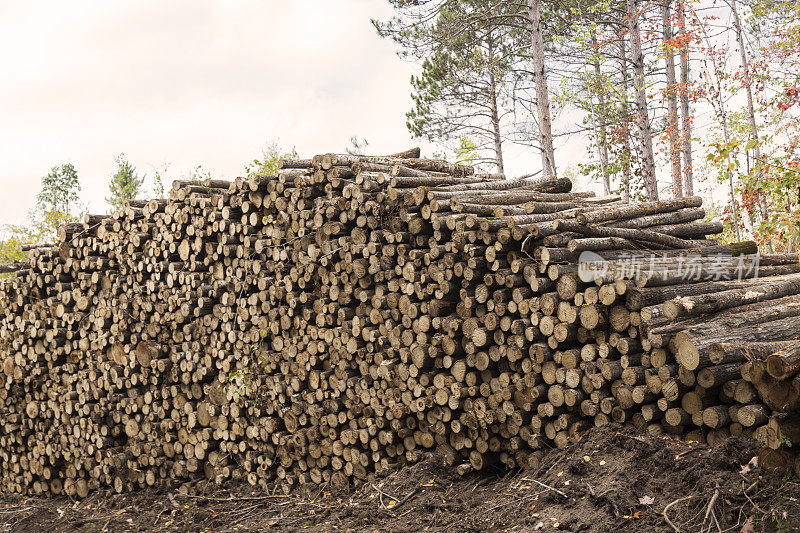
(710,326)
(353,313)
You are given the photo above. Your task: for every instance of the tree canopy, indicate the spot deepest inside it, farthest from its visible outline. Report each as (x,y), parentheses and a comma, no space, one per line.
(125,184)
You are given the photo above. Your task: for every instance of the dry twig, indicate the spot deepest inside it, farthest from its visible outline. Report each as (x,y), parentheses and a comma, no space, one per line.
(711,505)
(546,486)
(668,507)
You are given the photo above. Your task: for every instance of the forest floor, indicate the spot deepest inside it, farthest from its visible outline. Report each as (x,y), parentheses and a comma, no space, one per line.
(613,480)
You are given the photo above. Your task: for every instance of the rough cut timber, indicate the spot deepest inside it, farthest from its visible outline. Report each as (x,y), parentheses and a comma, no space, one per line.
(353,313)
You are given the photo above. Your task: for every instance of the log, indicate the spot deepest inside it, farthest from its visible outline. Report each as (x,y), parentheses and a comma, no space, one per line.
(693,345)
(334,322)
(624,233)
(9,268)
(628,212)
(785,363)
(702,304)
(722,352)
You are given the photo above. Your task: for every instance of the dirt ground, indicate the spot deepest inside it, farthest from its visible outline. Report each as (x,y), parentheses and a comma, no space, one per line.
(613,480)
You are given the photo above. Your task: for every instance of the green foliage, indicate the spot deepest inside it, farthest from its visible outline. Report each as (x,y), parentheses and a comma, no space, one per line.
(125,184)
(200,173)
(472,68)
(11,248)
(762,167)
(60,188)
(267,164)
(467,152)
(774,180)
(159,191)
(14,237)
(56,203)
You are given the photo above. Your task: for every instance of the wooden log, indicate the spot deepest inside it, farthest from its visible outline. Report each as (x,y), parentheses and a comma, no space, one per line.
(325,326)
(784,363)
(661,219)
(771,289)
(9,268)
(693,346)
(692,230)
(624,233)
(639,210)
(722,352)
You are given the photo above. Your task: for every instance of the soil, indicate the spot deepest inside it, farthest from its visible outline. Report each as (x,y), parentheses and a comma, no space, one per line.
(613,480)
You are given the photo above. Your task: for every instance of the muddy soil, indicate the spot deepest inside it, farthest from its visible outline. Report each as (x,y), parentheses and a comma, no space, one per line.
(613,480)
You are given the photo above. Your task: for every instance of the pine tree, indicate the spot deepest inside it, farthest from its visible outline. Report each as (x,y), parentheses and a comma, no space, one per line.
(125,184)
(470,67)
(483,71)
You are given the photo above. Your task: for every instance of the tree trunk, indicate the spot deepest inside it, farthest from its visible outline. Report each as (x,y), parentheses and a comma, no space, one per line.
(718,104)
(686,119)
(673,128)
(626,137)
(542,95)
(602,146)
(645,135)
(760,321)
(637,298)
(673,217)
(726,136)
(762,201)
(744,351)
(498,140)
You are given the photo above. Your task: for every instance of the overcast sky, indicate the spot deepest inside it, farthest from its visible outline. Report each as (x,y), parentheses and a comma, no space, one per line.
(195,82)
(187,83)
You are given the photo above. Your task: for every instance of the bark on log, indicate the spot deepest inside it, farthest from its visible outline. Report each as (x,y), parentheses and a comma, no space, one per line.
(632,211)
(785,363)
(624,233)
(771,289)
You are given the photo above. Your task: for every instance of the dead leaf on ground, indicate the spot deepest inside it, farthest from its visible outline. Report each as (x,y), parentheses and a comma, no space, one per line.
(749,466)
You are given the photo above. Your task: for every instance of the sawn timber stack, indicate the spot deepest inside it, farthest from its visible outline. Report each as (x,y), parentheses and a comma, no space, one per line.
(353,313)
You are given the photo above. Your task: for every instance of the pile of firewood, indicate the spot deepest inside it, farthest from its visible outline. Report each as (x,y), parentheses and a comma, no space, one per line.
(352,314)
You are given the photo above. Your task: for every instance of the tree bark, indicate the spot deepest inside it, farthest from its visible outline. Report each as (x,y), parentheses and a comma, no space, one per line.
(673,128)
(642,118)
(751,114)
(626,137)
(756,324)
(673,217)
(771,289)
(542,94)
(600,120)
(785,363)
(627,212)
(686,119)
(638,235)
(498,140)
(9,268)
(744,351)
